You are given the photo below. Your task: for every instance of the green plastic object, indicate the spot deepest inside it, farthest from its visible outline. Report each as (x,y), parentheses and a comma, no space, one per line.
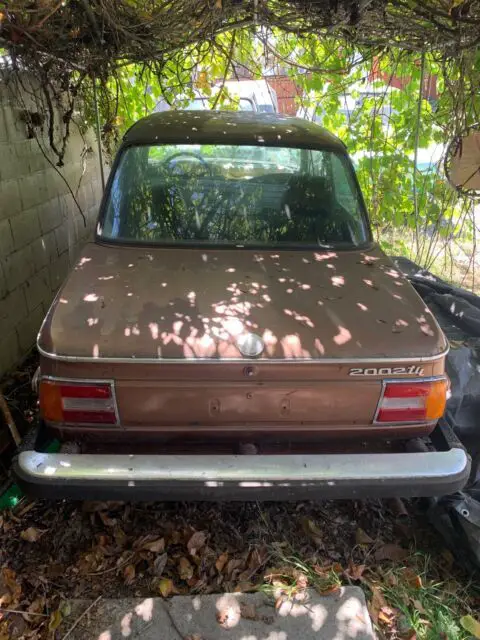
(13,494)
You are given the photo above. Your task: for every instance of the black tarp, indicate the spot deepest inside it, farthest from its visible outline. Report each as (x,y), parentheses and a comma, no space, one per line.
(457,517)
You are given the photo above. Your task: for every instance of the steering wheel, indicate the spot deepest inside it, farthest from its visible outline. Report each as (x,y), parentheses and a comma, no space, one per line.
(185,186)
(185,190)
(187,154)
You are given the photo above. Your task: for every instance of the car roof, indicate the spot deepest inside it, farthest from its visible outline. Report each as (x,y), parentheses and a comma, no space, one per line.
(230,127)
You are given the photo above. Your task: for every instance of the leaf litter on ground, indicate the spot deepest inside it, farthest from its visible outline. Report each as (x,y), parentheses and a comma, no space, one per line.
(116,549)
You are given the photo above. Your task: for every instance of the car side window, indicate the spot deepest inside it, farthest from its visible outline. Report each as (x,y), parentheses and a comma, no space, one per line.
(345,192)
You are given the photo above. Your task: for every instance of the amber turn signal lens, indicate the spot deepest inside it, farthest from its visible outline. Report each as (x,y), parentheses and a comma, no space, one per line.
(51,408)
(410,401)
(436,400)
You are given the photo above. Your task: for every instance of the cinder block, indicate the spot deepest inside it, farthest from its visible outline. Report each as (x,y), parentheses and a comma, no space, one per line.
(25,228)
(51,215)
(58,271)
(10,352)
(13,309)
(44,250)
(34,189)
(65,236)
(10,202)
(83,197)
(73,172)
(67,206)
(27,329)
(25,149)
(6,239)
(36,161)
(18,267)
(84,233)
(11,166)
(37,290)
(16,129)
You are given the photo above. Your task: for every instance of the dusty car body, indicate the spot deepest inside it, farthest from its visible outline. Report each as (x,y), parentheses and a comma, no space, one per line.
(233,332)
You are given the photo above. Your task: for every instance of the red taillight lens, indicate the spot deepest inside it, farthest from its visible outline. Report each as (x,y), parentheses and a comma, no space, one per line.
(77,403)
(412,401)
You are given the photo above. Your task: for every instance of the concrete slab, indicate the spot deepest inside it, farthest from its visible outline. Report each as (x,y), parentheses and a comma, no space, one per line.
(342,616)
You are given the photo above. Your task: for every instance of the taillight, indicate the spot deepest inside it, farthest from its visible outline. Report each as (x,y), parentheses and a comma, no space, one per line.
(412,401)
(78,402)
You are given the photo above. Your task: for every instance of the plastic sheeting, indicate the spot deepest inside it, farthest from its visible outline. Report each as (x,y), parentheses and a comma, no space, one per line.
(457,517)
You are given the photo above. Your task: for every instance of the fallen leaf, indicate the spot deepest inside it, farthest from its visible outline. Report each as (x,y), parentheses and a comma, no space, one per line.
(377,603)
(355,571)
(391,552)
(233,565)
(362,537)
(155,546)
(55,621)
(471,625)
(196,542)
(10,589)
(165,587)
(65,609)
(159,565)
(37,606)
(387,616)
(120,537)
(327,590)
(104,540)
(175,537)
(221,562)
(244,587)
(312,530)
(31,534)
(412,579)
(107,521)
(194,636)
(129,574)
(185,569)
(248,611)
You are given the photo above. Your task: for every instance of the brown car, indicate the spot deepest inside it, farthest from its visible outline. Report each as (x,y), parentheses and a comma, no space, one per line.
(234,332)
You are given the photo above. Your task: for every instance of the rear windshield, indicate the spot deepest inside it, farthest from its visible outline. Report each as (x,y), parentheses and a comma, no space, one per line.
(234,195)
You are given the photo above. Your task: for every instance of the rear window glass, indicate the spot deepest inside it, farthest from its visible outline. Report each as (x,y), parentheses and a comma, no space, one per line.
(234,195)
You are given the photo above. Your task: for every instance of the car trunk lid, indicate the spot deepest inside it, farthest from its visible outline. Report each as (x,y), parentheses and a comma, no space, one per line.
(194,304)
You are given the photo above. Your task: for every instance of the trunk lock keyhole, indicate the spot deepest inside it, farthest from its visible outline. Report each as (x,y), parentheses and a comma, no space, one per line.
(285,407)
(215,406)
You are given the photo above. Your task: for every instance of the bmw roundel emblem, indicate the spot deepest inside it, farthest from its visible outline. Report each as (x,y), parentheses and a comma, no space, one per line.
(250,345)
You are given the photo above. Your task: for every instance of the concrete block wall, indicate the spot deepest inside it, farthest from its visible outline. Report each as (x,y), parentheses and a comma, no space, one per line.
(41,229)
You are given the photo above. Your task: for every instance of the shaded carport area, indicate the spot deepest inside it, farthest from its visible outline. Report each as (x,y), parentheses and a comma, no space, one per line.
(64,71)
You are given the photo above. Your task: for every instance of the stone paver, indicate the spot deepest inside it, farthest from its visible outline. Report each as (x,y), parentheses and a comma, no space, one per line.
(342,616)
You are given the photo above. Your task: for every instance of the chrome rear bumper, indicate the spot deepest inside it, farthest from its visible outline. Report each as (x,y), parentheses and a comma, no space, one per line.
(246,477)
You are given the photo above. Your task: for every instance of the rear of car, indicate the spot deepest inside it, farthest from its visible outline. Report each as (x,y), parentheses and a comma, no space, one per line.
(234,333)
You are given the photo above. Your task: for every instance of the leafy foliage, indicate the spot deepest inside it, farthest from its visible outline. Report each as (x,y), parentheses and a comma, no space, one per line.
(141,52)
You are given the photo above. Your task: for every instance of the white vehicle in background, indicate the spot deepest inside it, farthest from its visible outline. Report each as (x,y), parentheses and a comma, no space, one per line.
(252,95)
(258,92)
